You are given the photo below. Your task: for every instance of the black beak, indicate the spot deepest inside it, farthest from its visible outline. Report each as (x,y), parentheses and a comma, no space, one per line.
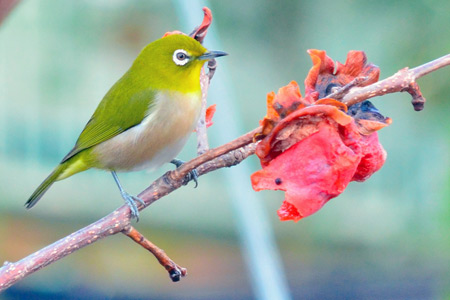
(212,54)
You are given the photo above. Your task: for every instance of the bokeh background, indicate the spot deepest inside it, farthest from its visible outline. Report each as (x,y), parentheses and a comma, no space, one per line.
(387,238)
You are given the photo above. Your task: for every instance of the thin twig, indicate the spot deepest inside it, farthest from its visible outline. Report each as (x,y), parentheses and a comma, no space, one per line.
(402,81)
(212,66)
(431,66)
(342,91)
(6,6)
(202,136)
(241,141)
(199,34)
(175,271)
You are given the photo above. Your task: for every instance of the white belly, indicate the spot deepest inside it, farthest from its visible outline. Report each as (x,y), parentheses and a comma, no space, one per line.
(157,139)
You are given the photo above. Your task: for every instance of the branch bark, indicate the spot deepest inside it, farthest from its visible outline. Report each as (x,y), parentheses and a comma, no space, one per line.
(119,220)
(175,271)
(226,155)
(402,81)
(6,6)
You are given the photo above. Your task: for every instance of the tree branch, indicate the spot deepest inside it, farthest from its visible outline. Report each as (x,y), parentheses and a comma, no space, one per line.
(175,271)
(119,220)
(6,6)
(202,136)
(226,155)
(402,81)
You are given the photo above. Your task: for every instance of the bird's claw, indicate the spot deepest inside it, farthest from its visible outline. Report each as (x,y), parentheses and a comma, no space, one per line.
(192,175)
(131,200)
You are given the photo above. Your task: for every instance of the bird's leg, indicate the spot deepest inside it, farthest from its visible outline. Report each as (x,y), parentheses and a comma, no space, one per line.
(193,175)
(129,199)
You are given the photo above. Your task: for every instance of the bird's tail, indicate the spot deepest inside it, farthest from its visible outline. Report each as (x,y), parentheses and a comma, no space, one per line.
(45,185)
(63,170)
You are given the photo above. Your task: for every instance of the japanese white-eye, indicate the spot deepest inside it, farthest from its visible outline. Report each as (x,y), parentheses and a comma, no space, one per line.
(145,118)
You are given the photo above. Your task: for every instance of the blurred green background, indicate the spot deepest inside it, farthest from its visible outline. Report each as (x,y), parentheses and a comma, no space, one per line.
(387,238)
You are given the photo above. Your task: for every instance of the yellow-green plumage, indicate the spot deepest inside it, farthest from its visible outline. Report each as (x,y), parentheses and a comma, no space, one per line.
(145,118)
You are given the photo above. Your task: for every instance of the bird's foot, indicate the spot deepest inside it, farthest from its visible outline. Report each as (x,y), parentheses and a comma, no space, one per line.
(131,200)
(191,176)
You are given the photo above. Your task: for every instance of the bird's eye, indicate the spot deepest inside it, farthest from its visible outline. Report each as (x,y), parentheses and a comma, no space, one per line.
(180,57)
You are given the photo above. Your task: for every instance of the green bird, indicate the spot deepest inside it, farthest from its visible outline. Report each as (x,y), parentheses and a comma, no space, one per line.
(145,118)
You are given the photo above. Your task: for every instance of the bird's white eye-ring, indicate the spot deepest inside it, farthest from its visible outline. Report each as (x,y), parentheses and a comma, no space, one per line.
(180,57)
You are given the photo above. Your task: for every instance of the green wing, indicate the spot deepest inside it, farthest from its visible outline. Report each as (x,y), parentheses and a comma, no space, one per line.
(124,106)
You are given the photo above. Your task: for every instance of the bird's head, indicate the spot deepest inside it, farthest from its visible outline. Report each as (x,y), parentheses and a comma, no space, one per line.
(173,63)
